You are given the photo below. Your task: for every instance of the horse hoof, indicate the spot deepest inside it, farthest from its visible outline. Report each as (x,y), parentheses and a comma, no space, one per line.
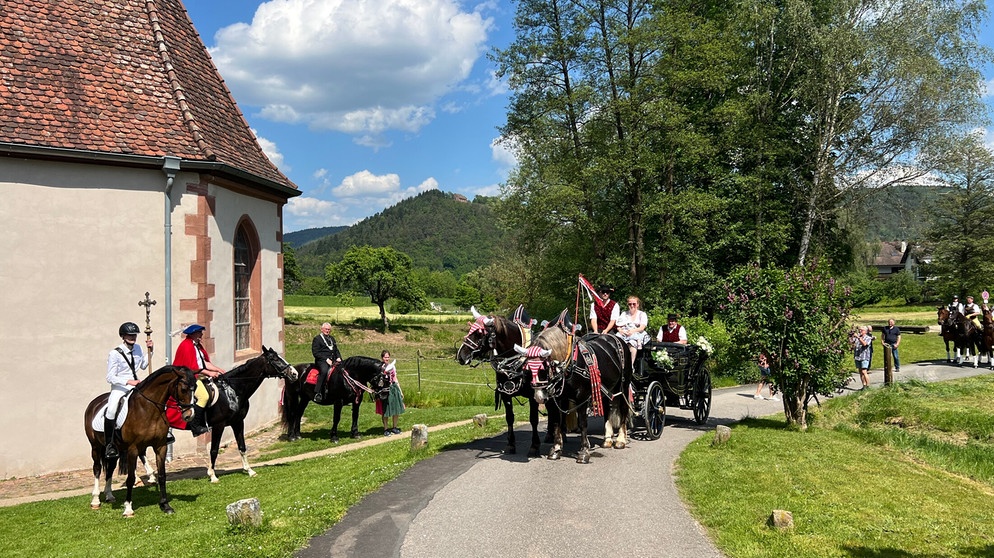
(334,439)
(583,458)
(620,445)
(356,436)
(509,450)
(94,506)
(167,509)
(608,444)
(554,456)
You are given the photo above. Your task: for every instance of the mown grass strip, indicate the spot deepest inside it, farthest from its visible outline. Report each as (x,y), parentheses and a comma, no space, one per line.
(859,482)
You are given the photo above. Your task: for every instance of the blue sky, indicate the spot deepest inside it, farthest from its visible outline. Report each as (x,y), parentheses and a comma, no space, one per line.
(365,103)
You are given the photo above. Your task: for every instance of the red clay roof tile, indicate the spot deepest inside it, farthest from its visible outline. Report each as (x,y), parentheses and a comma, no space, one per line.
(127,76)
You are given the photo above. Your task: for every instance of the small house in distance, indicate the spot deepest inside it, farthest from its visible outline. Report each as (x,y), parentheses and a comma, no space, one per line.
(895,257)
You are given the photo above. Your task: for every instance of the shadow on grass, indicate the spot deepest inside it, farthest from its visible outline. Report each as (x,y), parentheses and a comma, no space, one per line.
(862,552)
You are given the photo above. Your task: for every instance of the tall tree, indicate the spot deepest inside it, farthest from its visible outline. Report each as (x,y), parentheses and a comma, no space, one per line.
(961,234)
(382,273)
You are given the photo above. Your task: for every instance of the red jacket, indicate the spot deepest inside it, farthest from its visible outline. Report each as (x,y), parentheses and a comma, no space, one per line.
(186,355)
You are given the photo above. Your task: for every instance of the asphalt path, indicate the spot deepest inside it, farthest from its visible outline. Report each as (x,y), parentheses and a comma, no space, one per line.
(476,502)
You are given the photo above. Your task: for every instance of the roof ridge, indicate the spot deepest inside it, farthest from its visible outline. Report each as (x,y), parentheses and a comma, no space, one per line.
(178,91)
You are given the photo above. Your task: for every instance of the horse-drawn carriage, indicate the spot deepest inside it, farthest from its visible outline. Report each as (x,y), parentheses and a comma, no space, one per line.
(669,374)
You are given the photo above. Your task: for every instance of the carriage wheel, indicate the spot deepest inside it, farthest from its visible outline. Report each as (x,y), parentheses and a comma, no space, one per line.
(702,395)
(654,410)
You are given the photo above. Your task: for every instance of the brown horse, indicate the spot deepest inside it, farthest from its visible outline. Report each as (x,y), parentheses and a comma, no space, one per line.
(987,338)
(492,339)
(947,323)
(144,426)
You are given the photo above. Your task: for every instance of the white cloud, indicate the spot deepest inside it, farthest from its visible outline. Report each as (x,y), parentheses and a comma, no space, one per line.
(987,89)
(502,151)
(271,151)
(367,184)
(360,67)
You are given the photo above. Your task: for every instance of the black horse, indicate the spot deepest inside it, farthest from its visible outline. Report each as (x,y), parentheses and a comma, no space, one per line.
(597,374)
(492,339)
(969,337)
(235,387)
(349,381)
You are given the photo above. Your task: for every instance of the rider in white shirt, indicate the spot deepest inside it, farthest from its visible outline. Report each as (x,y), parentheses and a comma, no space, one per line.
(123,363)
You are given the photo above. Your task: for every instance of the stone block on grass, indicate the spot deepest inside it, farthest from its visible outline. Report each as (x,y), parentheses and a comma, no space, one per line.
(246,512)
(419,437)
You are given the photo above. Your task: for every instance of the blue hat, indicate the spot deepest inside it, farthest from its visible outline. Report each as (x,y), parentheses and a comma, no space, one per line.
(193,328)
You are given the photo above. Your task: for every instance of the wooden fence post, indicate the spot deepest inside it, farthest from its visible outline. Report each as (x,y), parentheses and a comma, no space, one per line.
(888,364)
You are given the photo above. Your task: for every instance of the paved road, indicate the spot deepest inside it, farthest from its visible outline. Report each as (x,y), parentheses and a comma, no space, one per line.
(476,502)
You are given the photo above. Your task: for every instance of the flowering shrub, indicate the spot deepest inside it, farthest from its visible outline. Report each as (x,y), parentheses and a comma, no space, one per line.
(663,359)
(705,345)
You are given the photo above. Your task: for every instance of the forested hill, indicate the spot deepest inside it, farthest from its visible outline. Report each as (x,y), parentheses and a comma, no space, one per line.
(899,212)
(437,231)
(299,238)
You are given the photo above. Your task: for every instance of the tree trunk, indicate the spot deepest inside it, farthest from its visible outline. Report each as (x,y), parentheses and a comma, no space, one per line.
(383,315)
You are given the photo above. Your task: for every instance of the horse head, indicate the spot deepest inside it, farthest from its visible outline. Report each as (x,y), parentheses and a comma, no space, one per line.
(480,339)
(540,368)
(283,368)
(178,382)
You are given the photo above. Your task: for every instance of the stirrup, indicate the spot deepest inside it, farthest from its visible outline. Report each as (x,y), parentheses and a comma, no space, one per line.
(318,398)
(110,452)
(170,439)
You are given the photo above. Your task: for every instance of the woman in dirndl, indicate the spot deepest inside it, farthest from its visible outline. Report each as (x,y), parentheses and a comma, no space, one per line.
(394,404)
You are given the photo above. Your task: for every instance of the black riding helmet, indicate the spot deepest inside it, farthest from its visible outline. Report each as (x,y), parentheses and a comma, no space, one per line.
(128,328)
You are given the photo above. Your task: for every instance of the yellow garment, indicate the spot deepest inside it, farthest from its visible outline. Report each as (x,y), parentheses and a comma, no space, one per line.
(201,397)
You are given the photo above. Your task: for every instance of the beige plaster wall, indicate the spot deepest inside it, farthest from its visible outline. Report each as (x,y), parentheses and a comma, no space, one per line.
(82,245)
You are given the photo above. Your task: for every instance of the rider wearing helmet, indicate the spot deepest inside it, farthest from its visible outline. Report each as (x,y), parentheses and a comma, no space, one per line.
(123,363)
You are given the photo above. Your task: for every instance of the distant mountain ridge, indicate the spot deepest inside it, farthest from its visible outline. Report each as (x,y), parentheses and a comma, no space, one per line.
(299,238)
(438,230)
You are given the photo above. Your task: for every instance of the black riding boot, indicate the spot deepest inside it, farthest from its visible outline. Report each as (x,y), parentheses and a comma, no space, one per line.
(110,451)
(319,387)
(197,426)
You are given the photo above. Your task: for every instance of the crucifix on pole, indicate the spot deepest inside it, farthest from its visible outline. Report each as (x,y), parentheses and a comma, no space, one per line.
(148,303)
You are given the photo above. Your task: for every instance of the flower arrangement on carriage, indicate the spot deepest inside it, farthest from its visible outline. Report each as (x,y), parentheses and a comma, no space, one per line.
(662,359)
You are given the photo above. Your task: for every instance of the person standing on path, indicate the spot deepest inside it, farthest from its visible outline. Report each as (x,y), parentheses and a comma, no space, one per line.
(891,338)
(862,342)
(764,379)
(123,363)
(394,405)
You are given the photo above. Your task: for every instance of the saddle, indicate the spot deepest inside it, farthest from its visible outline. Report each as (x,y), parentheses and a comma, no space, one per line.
(122,414)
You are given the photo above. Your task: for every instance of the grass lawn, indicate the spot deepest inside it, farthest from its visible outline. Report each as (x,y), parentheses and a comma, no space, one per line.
(905,471)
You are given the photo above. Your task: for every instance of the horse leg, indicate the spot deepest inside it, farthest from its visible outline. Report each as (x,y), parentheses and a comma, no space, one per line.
(534,449)
(132,464)
(608,425)
(583,456)
(109,466)
(298,416)
(620,419)
(148,471)
(556,427)
(335,420)
(98,461)
(510,448)
(215,449)
(355,420)
(238,429)
(160,462)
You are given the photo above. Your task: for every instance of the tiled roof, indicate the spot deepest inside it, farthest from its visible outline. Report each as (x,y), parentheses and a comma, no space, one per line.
(121,77)
(891,254)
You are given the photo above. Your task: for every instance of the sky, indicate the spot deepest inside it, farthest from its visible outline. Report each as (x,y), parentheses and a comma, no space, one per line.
(363,103)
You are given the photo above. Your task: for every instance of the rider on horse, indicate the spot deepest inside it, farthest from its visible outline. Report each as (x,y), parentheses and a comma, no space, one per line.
(973,312)
(326,355)
(191,354)
(123,363)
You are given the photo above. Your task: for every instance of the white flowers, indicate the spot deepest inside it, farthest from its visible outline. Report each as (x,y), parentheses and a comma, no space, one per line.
(662,359)
(705,345)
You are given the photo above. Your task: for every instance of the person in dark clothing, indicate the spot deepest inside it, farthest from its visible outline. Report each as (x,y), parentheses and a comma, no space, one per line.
(326,354)
(892,338)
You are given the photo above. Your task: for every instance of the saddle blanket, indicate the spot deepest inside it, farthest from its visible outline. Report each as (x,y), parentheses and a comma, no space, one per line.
(122,415)
(312,376)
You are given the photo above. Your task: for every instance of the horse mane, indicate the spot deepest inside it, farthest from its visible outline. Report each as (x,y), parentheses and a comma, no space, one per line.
(362,362)
(154,376)
(554,338)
